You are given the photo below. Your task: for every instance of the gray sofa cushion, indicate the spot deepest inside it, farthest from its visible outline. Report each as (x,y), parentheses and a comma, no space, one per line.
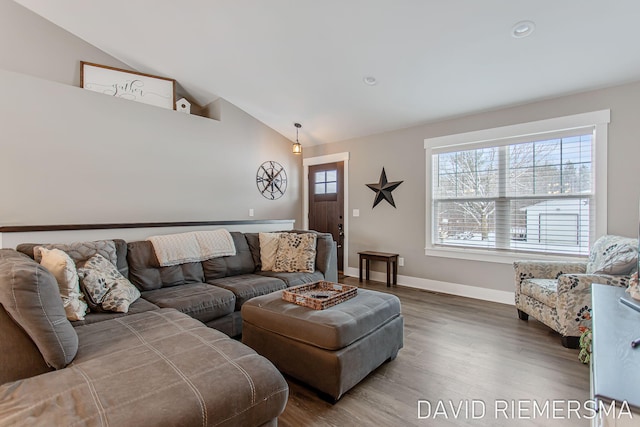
(114,250)
(253,240)
(159,368)
(296,278)
(30,295)
(231,324)
(199,300)
(248,286)
(240,263)
(146,274)
(82,251)
(139,306)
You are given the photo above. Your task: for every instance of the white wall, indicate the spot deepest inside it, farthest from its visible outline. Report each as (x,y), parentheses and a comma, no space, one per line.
(401,152)
(69,155)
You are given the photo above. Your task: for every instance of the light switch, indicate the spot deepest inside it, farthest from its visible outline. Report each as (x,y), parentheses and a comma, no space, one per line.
(356,212)
(250,212)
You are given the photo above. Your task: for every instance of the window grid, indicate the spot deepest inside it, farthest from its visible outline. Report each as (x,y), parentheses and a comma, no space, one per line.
(534,196)
(326,182)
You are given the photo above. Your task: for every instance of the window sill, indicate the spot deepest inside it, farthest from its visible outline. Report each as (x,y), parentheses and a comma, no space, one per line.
(494,257)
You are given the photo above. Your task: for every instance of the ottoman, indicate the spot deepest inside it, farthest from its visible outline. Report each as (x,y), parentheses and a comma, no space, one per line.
(332,349)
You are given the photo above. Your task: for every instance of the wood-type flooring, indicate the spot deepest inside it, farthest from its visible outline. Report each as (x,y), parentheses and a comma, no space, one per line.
(465,362)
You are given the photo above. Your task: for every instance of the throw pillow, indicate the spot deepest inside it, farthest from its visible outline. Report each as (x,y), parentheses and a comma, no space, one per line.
(296,252)
(64,270)
(105,288)
(613,255)
(29,293)
(268,249)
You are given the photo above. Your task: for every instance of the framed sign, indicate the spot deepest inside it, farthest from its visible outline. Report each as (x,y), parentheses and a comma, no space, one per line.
(153,90)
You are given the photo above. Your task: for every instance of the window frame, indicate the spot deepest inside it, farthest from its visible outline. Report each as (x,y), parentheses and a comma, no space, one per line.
(598,120)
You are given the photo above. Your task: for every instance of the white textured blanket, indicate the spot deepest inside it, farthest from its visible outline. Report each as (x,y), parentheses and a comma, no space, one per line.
(195,246)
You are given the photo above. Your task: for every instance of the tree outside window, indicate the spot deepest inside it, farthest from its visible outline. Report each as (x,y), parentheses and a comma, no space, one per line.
(495,197)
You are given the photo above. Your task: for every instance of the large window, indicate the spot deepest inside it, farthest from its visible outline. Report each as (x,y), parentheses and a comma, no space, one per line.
(516,191)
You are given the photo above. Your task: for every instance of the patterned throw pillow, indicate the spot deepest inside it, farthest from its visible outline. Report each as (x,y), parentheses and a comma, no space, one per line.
(296,252)
(614,255)
(105,288)
(268,249)
(64,270)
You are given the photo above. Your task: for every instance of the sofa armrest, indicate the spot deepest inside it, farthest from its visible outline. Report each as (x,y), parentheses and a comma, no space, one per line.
(326,256)
(19,356)
(331,273)
(574,283)
(574,300)
(546,269)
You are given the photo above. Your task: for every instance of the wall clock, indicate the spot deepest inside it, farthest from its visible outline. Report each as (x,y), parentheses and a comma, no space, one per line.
(271,180)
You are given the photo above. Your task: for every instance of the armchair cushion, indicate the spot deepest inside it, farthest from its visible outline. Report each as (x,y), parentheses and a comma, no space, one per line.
(543,290)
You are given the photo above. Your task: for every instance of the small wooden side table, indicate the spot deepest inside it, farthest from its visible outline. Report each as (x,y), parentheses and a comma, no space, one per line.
(390,259)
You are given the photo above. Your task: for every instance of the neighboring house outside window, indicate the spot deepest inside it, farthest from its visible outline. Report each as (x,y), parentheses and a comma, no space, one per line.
(522,189)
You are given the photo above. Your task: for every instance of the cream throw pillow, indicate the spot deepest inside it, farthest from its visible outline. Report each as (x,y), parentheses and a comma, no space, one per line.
(268,249)
(64,270)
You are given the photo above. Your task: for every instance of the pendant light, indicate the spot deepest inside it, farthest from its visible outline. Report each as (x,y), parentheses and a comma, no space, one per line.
(297,147)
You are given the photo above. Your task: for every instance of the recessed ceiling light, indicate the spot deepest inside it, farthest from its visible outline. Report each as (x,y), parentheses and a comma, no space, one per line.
(523,29)
(369,80)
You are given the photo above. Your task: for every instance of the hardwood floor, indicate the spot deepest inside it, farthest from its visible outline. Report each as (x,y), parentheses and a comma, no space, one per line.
(462,352)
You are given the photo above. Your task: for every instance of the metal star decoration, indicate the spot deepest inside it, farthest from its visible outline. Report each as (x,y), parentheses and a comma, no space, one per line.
(383,189)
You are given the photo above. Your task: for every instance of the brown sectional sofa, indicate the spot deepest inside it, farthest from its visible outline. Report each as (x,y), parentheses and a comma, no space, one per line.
(156,365)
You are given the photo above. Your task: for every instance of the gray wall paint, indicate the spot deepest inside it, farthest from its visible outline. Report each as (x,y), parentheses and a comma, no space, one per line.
(68,155)
(32,45)
(402,154)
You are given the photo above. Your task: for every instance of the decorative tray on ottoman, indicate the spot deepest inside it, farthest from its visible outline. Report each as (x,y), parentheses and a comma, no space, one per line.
(319,295)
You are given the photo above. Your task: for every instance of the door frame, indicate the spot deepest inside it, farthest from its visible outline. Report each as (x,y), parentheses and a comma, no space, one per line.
(330,158)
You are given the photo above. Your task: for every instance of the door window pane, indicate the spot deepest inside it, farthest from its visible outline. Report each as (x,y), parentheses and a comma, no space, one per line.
(326,182)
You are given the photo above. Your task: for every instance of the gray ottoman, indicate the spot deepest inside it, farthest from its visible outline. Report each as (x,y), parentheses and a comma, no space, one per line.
(332,349)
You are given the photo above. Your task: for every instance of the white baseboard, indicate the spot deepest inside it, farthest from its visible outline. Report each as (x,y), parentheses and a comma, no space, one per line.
(493,295)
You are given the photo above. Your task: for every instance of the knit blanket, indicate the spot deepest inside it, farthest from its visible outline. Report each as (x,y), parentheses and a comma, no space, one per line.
(194,246)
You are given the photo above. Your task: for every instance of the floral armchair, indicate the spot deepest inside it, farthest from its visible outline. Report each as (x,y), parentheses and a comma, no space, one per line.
(558,293)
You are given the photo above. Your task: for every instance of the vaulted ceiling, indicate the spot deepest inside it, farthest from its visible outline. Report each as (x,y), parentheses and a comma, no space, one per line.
(286,61)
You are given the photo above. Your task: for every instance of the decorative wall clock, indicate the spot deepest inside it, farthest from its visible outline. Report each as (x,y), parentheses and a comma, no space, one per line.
(271,180)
